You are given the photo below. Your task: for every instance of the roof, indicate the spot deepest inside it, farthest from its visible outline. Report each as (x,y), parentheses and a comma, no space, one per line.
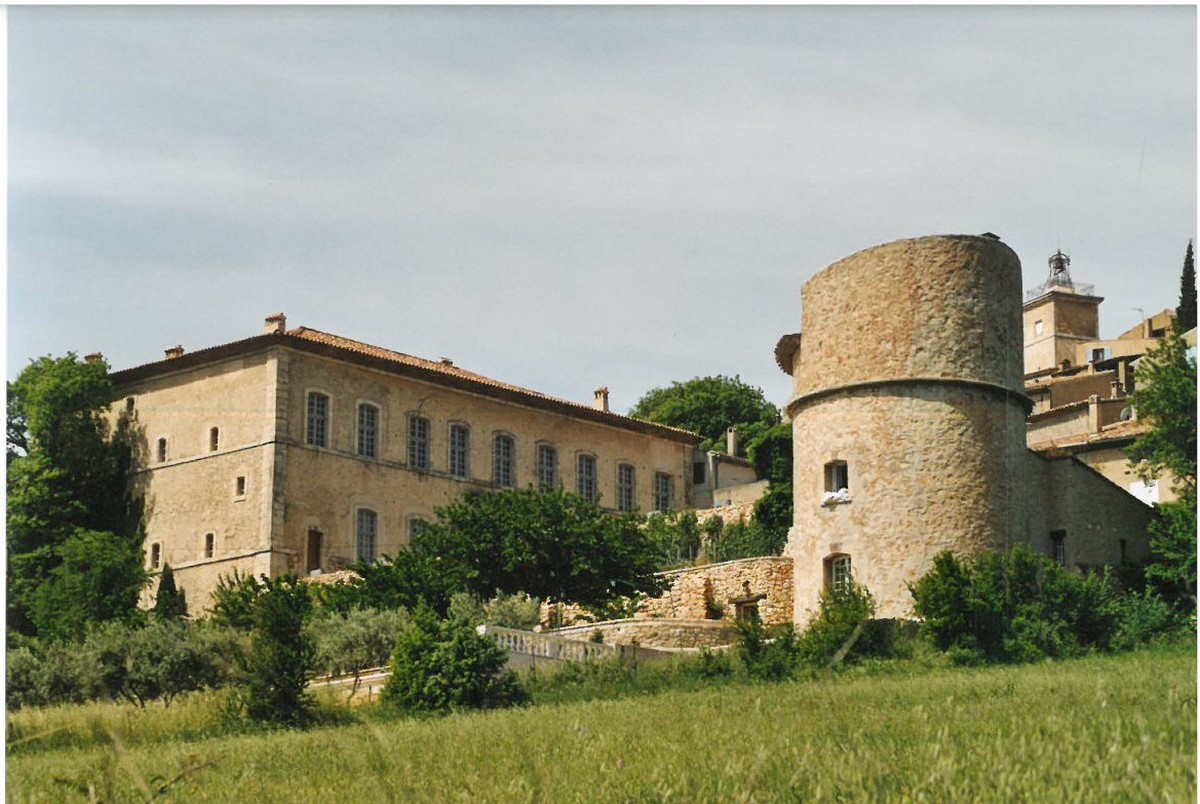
(1109,436)
(443,372)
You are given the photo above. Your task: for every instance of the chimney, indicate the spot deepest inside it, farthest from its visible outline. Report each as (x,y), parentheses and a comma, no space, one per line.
(445,361)
(275,324)
(731,441)
(94,357)
(174,352)
(1093,414)
(601,399)
(1063,366)
(1117,390)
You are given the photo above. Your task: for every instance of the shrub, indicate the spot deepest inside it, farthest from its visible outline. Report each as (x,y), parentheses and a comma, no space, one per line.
(170,603)
(355,641)
(840,613)
(282,656)
(1143,618)
(233,600)
(769,655)
(43,674)
(729,542)
(441,665)
(675,536)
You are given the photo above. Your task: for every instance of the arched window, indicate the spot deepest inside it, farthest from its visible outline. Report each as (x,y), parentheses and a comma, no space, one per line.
(214,439)
(460,447)
(503,450)
(663,488)
(586,477)
(210,545)
(625,487)
(368,431)
(838,573)
(547,466)
(418,443)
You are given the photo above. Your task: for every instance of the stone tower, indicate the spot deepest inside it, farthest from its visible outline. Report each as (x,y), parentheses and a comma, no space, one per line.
(908,415)
(1058,316)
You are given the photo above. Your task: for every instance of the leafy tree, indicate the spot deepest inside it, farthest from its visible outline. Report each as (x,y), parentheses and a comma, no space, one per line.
(1185,313)
(282,656)
(1166,399)
(66,477)
(734,540)
(440,665)
(169,603)
(773,511)
(676,536)
(234,599)
(99,578)
(771,454)
(550,544)
(709,406)
(356,641)
(840,612)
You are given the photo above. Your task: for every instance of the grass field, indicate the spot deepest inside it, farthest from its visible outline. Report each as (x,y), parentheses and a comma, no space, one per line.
(1117,728)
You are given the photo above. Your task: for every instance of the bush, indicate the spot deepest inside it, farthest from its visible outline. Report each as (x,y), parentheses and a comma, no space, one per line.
(170,603)
(440,665)
(44,674)
(840,612)
(675,536)
(282,656)
(355,641)
(769,655)
(517,610)
(729,542)
(233,600)
(1143,618)
(1015,606)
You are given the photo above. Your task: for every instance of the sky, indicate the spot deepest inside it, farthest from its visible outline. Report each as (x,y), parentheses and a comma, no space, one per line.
(570,197)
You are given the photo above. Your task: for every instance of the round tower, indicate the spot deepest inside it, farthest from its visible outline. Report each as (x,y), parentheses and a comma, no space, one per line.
(908,416)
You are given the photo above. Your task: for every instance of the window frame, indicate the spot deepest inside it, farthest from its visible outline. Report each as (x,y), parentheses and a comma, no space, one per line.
(366,438)
(210,544)
(626,487)
(835,471)
(316,423)
(504,467)
(839,572)
(418,442)
(664,492)
(155,555)
(459,459)
(363,515)
(1058,547)
(214,439)
(586,482)
(162,450)
(547,466)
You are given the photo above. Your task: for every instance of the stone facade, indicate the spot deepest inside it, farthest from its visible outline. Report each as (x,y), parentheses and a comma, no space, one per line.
(912,441)
(240,472)
(671,634)
(697,593)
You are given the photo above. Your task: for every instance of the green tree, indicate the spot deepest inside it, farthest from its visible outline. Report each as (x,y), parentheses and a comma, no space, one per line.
(170,603)
(1185,313)
(549,544)
(99,578)
(709,406)
(1166,399)
(282,656)
(66,476)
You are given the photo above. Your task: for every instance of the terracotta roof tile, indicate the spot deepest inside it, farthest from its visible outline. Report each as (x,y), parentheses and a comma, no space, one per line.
(1109,434)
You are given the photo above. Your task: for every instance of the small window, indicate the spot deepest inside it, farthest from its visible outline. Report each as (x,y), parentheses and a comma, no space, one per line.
(312,561)
(418,443)
(698,472)
(214,439)
(367,533)
(1039,327)
(586,477)
(155,555)
(837,476)
(838,573)
(547,466)
(1058,547)
(162,450)
(239,486)
(129,405)
(317,426)
(625,487)
(368,431)
(460,450)
(210,545)
(662,492)
(502,461)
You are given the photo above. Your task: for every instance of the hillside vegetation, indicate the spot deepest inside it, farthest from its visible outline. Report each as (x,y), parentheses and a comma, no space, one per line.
(1100,728)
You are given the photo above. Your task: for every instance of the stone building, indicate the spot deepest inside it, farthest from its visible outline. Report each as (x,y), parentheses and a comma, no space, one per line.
(298,451)
(913,440)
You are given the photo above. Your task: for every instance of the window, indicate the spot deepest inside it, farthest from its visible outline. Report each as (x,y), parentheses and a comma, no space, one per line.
(1058,547)
(313,561)
(366,534)
(837,476)
(239,486)
(368,431)
(418,443)
(547,466)
(214,439)
(662,491)
(698,473)
(502,461)
(210,544)
(586,477)
(1038,328)
(460,449)
(155,555)
(625,483)
(129,405)
(416,526)
(838,573)
(317,427)
(162,450)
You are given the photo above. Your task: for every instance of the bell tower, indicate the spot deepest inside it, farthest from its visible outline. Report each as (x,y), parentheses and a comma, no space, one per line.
(1058,316)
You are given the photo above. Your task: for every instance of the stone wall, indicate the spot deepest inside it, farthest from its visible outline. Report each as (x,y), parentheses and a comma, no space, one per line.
(691,590)
(656,633)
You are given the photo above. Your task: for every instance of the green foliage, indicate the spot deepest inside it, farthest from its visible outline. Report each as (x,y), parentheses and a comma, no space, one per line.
(735,540)
(441,665)
(1172,569)
(1166,399)
(1146,617)
(675,536)
(170,603)
(1185,313)
(282,656)
(774,511)
(709,406)
(517,610)
(349,643)
(1015,606)
(839,613)
(551,544)
(99,578)
(767,655)
(233,600)
(65,477)
(771,453)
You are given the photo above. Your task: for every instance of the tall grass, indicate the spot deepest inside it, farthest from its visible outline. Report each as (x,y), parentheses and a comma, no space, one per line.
(1093,729)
